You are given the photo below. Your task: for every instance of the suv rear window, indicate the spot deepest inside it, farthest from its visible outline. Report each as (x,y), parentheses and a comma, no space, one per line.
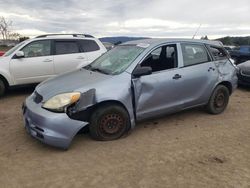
(89,45)
(194,54)
(218,53)
(66,47)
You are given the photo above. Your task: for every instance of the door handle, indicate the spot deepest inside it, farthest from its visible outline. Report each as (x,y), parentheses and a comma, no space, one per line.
(176,77)
(80,57)
(211,68)
(47,60)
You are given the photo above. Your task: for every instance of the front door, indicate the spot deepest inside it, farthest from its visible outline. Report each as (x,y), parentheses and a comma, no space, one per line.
(157,93)
(36,65)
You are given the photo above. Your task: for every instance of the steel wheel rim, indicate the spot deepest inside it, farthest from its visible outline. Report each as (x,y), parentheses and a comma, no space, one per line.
(111,124)
(219,100)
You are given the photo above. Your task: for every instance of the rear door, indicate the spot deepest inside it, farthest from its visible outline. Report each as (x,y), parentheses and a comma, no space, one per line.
(221,60)
(36,65)
(68,55)
(91,49)
(198,75)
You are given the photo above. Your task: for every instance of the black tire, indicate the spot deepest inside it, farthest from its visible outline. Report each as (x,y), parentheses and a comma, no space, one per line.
(2,88)
(109,122)
(218,100)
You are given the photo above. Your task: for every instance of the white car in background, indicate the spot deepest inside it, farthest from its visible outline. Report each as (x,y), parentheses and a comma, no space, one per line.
(46,56)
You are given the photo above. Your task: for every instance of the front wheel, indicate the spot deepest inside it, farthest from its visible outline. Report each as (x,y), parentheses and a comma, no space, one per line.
(218,100)
(109,122)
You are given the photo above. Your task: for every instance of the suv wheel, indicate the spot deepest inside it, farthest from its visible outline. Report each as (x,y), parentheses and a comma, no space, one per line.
(2,88)
(109,123)
(218,100)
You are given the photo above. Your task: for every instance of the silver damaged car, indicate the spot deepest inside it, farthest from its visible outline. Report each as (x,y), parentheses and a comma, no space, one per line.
(132,82)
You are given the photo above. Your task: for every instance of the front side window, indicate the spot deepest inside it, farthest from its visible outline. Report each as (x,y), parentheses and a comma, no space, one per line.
(218,53)
(194,54)
(66,47)
(116,60)
(162,58)
(37,49)
(89,45)
(9,52)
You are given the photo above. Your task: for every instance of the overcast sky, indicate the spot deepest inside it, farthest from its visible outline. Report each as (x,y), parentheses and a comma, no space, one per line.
(149,18)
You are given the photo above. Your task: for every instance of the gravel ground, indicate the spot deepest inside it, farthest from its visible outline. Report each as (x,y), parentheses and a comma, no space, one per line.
(187,149)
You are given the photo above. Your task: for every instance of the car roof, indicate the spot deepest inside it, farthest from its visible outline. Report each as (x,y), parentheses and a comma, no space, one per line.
(158,41)
(62,36)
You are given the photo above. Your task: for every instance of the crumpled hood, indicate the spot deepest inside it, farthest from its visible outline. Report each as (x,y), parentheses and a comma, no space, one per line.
(245,67)
(72,81)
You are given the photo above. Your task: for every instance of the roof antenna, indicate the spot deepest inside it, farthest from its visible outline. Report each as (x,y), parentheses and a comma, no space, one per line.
(197,31)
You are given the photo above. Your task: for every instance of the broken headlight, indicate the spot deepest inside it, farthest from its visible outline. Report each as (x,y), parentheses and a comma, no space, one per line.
(59,102)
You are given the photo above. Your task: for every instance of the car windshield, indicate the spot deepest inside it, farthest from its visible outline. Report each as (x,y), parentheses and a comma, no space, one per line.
(116,60)
(13,49)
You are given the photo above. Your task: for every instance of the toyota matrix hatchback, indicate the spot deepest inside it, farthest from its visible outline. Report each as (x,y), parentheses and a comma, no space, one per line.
(134,81)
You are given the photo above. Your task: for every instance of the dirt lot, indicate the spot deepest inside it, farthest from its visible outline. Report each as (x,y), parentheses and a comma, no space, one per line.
(188,149)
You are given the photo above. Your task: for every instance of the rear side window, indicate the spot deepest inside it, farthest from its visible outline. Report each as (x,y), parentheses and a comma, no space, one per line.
(194,54)
(66,47)
(89,45)
(218,53)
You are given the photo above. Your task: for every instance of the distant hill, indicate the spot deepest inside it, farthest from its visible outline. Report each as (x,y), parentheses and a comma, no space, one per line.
(117,40)
(235,41)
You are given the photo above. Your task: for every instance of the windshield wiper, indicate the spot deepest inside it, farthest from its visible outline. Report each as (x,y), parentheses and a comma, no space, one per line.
(95,69)
(88,67)
(99,70)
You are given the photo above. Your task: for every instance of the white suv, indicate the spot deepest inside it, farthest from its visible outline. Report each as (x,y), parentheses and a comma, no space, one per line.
(45,56)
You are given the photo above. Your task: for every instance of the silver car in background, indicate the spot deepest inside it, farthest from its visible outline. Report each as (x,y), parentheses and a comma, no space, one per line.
(132,82)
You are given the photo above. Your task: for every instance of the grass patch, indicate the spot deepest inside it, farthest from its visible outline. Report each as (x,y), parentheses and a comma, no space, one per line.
(5,48)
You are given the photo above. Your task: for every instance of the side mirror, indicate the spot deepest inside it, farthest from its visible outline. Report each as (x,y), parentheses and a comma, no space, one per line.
(142,71)
(19,54)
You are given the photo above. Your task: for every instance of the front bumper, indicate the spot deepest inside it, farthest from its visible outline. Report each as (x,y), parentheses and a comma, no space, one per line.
(55,129)
(243,79)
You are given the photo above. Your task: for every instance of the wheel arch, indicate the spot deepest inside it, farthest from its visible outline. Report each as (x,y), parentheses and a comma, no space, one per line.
(109,102)
(86,114)
(228,85)
(5,81)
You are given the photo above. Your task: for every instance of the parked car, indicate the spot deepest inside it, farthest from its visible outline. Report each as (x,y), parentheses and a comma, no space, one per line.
(108,45)
(46,56)
(2,53)
(134,81)
(244,73)
(228,48)
(240,54)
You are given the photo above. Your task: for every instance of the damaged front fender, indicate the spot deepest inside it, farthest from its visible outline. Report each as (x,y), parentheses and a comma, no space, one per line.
(87,100)
(82,110)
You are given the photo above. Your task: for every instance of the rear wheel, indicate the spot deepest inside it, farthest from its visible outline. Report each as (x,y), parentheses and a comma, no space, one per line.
(109,122)
(218,100)
(2,88)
